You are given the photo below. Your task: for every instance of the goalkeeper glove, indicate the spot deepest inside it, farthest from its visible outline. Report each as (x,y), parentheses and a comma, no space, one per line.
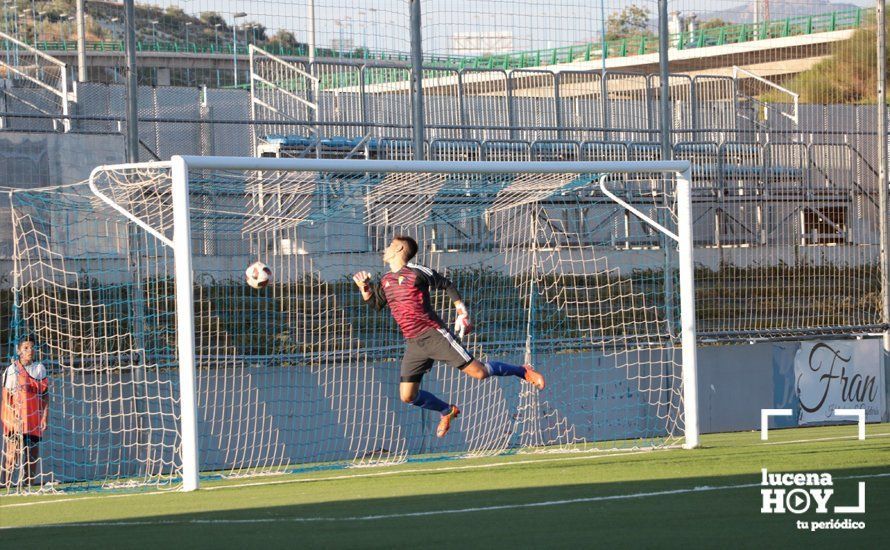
(462,325)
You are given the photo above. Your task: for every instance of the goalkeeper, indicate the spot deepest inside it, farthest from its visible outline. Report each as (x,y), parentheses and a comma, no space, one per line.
(406,289)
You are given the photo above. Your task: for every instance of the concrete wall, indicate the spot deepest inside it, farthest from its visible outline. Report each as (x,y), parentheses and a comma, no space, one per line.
(265,414)
(736,381)
(35,159)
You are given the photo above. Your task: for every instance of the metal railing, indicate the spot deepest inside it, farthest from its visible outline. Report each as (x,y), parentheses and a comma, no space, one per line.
(635,45)
(40,70)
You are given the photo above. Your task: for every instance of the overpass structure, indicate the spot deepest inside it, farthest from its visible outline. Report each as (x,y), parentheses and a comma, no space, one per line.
(791,45)
(352,95)
(787,56)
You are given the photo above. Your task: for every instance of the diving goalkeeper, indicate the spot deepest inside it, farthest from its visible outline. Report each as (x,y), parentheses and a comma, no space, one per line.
(406,289)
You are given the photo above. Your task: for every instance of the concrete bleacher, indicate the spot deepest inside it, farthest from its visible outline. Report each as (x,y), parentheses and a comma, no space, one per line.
(729,168)
(742,190)
(569,116)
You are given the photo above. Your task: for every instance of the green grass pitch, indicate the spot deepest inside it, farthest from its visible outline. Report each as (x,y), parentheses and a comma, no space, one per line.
(666,498)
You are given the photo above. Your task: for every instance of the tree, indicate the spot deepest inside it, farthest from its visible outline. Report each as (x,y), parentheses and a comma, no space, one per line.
(175,12)
(257,32)
(713,24)
(57,8)
(211,19)
(285,40)
(631,21)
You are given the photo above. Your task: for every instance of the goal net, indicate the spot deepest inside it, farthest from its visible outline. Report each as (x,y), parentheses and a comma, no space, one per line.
(164,365)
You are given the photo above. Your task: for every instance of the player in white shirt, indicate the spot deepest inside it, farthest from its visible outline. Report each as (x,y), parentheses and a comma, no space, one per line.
(25,404)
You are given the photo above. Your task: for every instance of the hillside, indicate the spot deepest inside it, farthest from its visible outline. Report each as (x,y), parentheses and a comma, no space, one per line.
(779,9)
(847,76)
(104,21)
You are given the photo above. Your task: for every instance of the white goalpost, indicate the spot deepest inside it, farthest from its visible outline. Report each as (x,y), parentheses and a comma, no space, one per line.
(167,367)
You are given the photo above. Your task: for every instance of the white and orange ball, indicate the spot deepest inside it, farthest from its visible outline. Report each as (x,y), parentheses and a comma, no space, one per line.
(258,275)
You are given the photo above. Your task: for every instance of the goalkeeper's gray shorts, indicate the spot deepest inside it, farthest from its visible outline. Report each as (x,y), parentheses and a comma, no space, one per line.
(436,344)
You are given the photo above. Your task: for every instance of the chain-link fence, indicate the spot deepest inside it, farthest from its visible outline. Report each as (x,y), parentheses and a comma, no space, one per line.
(773,102)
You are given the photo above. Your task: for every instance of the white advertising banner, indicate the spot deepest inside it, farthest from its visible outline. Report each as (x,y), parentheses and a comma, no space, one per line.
(839,374)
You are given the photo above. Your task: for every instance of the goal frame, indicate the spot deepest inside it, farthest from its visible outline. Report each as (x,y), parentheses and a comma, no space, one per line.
(181,245)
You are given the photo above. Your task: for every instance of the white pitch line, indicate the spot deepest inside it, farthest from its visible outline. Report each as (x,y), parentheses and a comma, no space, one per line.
(347,476)
(541,504)
(870,436)
(606,454)
(433,470)
(76,499)
(586,456)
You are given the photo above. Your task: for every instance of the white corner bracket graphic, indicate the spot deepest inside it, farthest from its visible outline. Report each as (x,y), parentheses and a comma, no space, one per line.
(860,418)
(859,508)
(764,420)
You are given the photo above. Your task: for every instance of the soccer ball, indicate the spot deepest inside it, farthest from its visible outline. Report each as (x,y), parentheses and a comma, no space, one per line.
(258,275)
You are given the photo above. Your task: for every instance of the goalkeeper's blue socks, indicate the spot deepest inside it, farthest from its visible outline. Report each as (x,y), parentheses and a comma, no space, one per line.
(426,400)
(496,368)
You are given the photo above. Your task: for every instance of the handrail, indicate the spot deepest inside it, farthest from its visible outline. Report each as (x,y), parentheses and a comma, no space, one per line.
(58,88)
(795,97)
(31,49)
(604,178)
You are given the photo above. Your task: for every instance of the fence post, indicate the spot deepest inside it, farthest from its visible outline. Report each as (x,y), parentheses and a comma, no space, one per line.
(664,71)
(417,79)
(132,84)
(81,43)
(883,191)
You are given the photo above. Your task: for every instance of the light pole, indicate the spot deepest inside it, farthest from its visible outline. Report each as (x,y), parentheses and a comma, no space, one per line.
(351,37)
(23,29)
(38,17)
(18,23)
(37,24)
(374,31)
(15,29)
(188,72)
(311,14)
(22,17)
(154,31)
(34,21)
(252,28)
(479,43)
(340,24)
(216,47)
(364,47)
(81,41)
(33,14)
(339,40)
(235,17)
(6,29)
(115,20)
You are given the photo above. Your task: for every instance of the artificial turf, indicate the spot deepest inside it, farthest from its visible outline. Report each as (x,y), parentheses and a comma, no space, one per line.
(666,498)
